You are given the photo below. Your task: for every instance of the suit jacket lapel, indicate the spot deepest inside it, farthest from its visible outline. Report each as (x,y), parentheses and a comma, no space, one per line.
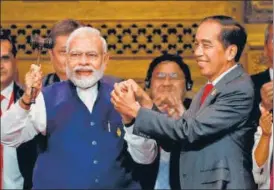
(195,104)
(236,72)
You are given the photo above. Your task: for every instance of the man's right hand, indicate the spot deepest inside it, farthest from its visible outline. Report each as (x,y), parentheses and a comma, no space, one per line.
(267,95)
(33,79)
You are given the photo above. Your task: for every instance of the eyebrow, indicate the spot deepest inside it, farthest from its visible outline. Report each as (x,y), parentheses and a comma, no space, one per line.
(206,41)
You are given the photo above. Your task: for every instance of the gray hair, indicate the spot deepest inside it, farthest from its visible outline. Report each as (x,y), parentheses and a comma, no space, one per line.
(88,30)
(266,33)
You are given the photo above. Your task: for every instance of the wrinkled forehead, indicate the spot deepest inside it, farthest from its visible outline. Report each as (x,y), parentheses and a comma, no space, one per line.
(86,42)
(208,30)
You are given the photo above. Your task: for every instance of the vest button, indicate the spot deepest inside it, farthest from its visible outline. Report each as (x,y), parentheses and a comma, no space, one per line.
(96,180)
(92,123)
(94,143)
(95,162)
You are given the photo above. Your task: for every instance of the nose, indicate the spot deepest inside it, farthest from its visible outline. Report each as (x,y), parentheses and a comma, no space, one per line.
(167,81)
(83,60)
(198,51)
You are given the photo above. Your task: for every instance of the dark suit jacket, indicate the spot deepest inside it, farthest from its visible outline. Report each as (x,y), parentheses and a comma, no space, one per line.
(258,80)
(26,152)
(215,152)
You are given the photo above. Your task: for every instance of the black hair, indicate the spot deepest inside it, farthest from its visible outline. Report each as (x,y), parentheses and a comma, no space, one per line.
(169,57)
(232,33)
(5,36)
(63,27)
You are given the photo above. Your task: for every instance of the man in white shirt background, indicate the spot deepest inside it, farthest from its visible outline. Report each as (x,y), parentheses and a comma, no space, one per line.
(263,147)
(263,81)
(263,151)
(16,163)
(86,146)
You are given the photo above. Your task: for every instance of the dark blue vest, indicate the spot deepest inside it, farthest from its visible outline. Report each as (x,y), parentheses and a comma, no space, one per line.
(85,150)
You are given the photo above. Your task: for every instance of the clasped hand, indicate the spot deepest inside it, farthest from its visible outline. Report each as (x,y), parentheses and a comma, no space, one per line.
(127,98)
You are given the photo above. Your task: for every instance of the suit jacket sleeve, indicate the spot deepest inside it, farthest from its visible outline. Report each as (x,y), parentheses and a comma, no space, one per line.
(229,111)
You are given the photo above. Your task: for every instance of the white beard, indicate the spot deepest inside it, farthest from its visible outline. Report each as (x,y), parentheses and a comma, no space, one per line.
(85,82)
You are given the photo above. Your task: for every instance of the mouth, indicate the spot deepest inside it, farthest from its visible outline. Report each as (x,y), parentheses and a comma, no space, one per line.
(84,72)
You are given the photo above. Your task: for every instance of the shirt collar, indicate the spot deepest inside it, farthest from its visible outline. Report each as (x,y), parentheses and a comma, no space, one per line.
(271,73)
(8,90)
(92,90)
(222,75)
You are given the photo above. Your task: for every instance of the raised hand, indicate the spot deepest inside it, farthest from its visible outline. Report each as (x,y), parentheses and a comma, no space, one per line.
(33,79)
(267,95)
(123,99)
(266,122)
(169,103)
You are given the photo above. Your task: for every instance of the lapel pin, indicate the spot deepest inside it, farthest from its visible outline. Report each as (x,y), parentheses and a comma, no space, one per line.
(214,92)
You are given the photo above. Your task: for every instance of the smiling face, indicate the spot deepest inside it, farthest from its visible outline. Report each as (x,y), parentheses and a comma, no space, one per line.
(212,58)
(168,77)
(86,60)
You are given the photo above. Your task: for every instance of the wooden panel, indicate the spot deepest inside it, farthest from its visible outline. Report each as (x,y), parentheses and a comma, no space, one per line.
(256,61)
(116,10)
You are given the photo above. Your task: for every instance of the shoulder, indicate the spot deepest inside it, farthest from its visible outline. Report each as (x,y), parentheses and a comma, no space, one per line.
(260,77)
(56,88)
(50,79)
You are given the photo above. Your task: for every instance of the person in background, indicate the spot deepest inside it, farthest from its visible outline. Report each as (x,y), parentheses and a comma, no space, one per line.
(167,81)
(263,81)
(263,151)
(16,163)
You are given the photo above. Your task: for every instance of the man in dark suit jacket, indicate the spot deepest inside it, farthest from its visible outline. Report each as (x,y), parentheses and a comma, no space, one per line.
(214,131)
(18,163)
(263,81)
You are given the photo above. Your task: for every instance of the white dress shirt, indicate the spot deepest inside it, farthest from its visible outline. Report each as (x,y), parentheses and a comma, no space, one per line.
(271,73)
(223,74)
(12,178)
(22,125)
(262,174)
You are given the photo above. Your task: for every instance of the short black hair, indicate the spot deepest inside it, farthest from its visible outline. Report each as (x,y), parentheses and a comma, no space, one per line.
(232,33)
(169,57)
(63,27)
(4,36)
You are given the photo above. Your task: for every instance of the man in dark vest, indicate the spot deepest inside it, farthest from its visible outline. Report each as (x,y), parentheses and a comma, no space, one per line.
(88,147)
(17,164)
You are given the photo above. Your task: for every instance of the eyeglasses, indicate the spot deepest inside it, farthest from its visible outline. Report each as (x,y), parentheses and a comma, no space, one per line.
(77,55)
(172,76)
(5,58)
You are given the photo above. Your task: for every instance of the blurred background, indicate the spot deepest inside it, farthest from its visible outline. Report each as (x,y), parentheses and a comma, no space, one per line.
(136,31)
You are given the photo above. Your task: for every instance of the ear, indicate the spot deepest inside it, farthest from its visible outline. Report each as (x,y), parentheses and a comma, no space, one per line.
(105,59)
(231,52)
(50,54)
